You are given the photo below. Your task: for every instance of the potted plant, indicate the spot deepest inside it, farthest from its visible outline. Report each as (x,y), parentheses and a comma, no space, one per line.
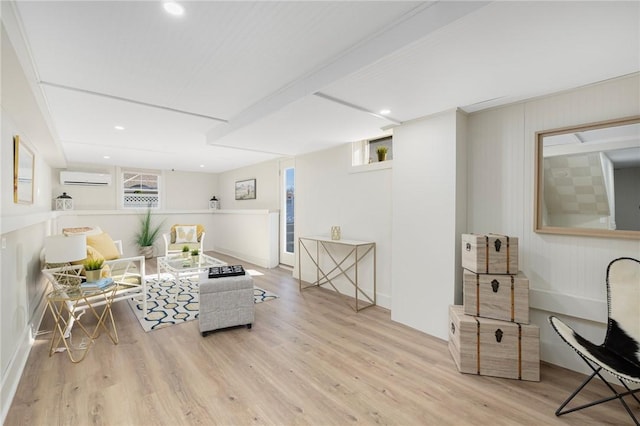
(195,254)
(185,251)
(147,235)
(382,153)
(93,269)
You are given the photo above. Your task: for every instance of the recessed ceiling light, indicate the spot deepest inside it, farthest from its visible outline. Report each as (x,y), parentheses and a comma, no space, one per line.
(201,165)
(118,127)
(385,111)
(173,8)
(106,157)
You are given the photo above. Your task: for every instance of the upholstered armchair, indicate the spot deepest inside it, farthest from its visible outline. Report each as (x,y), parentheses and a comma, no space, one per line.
(191,236)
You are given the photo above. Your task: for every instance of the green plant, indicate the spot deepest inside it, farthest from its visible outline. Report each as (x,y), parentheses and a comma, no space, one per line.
(382,150)
(147,234)
(185,249)
(195,252)
(93,264)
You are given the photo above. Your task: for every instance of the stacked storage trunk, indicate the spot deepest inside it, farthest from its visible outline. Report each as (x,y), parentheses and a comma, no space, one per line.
(490,333)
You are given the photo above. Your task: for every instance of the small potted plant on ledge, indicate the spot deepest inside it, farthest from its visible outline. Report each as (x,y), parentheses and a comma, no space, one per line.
(382,153)
(93,269)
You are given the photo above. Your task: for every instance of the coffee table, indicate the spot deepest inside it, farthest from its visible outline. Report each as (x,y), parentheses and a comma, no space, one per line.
(179,266)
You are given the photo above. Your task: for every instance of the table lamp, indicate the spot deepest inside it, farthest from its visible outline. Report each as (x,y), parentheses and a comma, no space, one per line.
(60,251)
(63,249)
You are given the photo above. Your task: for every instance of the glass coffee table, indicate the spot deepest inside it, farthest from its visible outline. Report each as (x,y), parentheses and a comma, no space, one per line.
(180,266)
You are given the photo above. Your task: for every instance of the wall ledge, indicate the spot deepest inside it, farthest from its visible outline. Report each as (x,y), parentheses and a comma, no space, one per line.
(570,305)
(15,222)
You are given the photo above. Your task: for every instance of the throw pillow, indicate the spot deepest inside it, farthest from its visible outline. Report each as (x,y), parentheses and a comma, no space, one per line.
(104,244)
(186,234)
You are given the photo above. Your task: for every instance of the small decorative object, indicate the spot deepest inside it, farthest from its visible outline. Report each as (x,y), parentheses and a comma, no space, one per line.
(195,256)
(335,233)
(246,189)
(214,203)
(64,202)
(185,251)
(382,153)
(93,269)
(226,271)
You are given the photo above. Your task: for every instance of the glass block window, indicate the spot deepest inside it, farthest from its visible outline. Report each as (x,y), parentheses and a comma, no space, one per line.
(140,190)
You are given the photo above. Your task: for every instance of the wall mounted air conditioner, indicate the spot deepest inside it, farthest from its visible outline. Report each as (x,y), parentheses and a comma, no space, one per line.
(85,178)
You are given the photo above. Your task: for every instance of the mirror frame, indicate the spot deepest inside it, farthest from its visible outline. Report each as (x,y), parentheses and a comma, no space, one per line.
(22,183)
(539,227)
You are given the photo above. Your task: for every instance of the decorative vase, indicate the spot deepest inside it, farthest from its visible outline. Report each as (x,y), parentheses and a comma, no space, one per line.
(147,252)
(335,233)
(94,275)
(195,259)
(382,156)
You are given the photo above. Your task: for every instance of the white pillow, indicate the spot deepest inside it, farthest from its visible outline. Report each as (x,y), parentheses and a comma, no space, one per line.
(186,234)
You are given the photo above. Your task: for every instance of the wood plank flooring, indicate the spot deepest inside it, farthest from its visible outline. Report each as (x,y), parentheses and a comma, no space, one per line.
(308,360)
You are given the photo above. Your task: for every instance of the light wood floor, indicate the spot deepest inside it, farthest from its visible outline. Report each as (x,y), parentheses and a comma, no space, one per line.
(309,359)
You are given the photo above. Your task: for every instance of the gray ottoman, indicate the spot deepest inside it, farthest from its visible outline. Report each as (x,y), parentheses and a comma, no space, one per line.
(226,302)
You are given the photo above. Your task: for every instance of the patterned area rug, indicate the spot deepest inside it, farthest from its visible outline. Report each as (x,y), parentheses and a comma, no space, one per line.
(170,303)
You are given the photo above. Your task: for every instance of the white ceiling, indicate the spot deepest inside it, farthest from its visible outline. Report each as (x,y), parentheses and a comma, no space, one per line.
(230,84)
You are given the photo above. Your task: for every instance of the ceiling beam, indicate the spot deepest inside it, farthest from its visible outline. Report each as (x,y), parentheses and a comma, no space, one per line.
(417,24)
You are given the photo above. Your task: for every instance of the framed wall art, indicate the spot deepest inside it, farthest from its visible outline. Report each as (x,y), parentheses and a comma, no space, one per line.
(23,170)
(246,189)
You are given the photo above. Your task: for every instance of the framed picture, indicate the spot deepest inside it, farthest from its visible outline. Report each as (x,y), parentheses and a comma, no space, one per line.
(246,189)
(23,165)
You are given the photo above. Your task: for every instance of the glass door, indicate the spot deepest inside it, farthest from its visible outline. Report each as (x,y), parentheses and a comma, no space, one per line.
(287,218)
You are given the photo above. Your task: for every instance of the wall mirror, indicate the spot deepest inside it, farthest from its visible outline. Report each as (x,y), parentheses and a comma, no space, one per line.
(588,180)
(23,165)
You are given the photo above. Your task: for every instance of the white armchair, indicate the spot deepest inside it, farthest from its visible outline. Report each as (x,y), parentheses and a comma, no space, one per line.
(127,273)
(173,243)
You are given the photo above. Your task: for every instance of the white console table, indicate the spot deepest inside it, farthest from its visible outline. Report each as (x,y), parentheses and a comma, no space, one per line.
(317,247)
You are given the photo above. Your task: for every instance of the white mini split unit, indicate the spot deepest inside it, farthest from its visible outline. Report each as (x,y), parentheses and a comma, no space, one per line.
(85,178)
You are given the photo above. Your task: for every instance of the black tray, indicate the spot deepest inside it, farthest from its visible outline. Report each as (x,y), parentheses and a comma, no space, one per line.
(226,271)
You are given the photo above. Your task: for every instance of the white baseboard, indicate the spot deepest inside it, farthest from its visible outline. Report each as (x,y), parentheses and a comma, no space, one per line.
(11,378)
(12,375)
(243,256)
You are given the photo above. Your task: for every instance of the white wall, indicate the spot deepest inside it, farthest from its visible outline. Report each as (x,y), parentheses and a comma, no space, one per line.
(428,217)
(179,190)
(124,224)
(267,187)
(23,230)
(566,273)
(328,194)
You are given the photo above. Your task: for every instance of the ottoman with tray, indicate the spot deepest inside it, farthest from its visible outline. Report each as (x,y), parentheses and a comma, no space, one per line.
(225,301)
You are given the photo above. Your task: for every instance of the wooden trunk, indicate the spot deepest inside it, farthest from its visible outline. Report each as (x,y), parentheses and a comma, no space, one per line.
(490,253)
(501,297)
(495,348)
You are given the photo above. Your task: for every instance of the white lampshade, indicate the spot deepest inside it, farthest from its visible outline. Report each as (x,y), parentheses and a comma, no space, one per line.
(63,248)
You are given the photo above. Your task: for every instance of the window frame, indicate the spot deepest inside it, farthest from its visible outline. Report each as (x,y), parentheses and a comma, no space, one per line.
(125,191)
(361,154)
